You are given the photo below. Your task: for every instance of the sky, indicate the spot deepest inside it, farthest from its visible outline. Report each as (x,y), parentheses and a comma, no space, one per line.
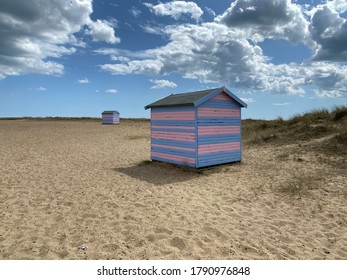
(77,58)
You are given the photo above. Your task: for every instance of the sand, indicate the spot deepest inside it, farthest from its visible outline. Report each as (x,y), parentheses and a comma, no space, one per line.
(82,190)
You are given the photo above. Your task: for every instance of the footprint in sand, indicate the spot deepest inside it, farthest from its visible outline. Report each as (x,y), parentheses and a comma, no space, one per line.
(110,248)
(178,242)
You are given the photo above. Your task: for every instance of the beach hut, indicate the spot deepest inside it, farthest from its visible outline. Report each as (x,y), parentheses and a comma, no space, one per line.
(110,117)
(197,129)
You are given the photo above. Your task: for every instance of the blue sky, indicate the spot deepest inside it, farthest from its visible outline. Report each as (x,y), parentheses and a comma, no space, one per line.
(79,57)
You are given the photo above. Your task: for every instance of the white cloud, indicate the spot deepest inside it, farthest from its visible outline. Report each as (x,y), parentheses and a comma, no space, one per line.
(267,19)
(135,12)
(329,31)
(41,88)
(210,52)
(151,29)
(159,84)
(281,104)
(210,11)
(102,30)
(119,58)
(149,66)
(83,81)
(248,100)
(111,90)
(33,32)
(220,53)
(176,9)
(329,78)
(114,52)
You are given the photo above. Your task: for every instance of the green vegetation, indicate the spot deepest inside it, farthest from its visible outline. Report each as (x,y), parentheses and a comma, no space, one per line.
(320,130)
(298,186)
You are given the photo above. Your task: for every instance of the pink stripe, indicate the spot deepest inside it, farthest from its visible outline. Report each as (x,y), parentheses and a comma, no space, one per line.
(224,145)
(222,96)
(174,147)
(173,127)
(183,115)
(180,136)
(213,148)
(210,130)
(214,112)
(175,158)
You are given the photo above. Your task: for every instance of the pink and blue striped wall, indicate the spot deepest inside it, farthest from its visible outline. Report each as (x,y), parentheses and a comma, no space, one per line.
(110,118)
(173,135)
(206,135)
(219,131)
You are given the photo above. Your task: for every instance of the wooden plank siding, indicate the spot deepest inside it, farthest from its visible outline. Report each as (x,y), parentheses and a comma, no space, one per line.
(173,135)
(197,129)
(110,118)
(219,131)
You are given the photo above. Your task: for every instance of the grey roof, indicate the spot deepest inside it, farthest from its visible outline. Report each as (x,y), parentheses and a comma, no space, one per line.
(192,98)
(110,112)
(181,99)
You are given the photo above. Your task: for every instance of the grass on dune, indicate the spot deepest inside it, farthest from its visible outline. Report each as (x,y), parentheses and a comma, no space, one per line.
(329,126)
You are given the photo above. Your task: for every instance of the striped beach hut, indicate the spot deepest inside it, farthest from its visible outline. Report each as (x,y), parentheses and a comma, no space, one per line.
(197,129)
(110,117)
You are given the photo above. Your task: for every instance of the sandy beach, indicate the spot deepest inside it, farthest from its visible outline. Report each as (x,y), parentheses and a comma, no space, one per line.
(82,190)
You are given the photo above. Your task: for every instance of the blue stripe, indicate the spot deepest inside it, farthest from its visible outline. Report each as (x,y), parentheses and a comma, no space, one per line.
(219,155)
(174,130)
(220,122)
(173,123)
(172,161)
(218,161)
(219,119)
(174,152)
(173,143)
(220,104)
(210,139)
(173,109)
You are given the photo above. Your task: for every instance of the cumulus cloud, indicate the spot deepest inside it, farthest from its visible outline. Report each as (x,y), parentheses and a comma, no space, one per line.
(111,90)
(267,19)
(149,66)
(102,30)
(176,9)
(330,78)
(226,51)
(34,33)
(329,30)
(210,52)
(83,81)
(159,84)
(281,104)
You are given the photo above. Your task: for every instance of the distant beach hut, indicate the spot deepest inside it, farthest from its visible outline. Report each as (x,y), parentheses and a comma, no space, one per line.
(110,117)
(197,129)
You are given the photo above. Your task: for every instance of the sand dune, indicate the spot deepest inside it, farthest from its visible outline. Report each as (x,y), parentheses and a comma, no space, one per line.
(82,190)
